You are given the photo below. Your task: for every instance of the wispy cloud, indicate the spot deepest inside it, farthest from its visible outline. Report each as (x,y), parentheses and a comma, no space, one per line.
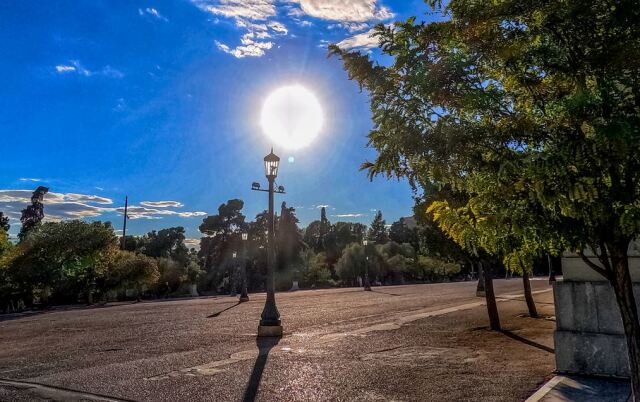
(349,215)
(32,179)
(162,204)
(152,12)
(75,67)
(60,206)
(365,40)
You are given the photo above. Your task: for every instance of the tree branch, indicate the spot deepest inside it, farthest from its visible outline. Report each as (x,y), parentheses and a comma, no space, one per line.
(602,271)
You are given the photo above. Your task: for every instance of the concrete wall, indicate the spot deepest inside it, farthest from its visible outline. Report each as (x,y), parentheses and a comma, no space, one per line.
(589,337)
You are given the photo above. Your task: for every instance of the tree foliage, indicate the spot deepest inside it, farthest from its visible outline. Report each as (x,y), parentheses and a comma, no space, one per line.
(33,214)
(532,109)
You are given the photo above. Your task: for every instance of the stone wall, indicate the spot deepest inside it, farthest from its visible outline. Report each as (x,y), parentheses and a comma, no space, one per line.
(589,337)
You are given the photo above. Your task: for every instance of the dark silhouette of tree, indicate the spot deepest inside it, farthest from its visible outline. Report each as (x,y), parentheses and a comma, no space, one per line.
(221,239)
(166,243)
(400,232)
(34,213)
(347,232)
(378,230)
(4,222)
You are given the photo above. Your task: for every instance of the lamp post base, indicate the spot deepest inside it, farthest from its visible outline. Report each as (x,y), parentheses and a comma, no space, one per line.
(265,331)
(367,288)
(244,299)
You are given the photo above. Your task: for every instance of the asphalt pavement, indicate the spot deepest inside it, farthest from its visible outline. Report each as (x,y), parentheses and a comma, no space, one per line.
(414,343)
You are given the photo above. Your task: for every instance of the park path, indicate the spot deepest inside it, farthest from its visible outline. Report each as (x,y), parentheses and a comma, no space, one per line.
(417,342)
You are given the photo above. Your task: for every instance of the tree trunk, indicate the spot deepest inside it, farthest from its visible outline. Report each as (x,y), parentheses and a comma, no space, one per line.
(623,288)
(480,289)
(531,305)
(490,297)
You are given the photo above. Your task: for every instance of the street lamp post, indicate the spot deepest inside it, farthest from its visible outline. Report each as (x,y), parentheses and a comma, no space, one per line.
(233,275)
(552,273)
(367,285)
(270,324)
(244,296)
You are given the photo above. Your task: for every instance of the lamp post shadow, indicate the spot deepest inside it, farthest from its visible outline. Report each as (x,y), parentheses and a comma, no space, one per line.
(265,344)
(214,315)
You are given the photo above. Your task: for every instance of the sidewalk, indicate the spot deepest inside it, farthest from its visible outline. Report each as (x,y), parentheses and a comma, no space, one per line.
(582,389)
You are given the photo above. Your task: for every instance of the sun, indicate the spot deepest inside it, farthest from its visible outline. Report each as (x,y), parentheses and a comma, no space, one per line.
(292,117)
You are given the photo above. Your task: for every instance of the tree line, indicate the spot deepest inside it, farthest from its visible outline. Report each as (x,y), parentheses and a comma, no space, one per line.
(76,261)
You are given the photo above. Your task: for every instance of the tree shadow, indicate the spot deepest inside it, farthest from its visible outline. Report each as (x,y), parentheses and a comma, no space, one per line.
(385,293)
(527,341)
(264,347)
(214,315)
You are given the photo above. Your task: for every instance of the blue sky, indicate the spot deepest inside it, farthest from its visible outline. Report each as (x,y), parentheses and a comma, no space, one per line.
(160,101)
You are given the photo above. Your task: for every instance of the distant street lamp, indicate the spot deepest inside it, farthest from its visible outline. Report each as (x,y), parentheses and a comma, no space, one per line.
(232,276)
(367,285)
(270,324)
(244,296)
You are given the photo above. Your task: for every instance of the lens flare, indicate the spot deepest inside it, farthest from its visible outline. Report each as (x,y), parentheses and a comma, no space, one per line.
(292,117)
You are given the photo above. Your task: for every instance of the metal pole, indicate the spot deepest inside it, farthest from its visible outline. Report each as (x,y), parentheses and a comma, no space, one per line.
(367,285)
(124,225)
(552,274)
(244,296)
(270,319)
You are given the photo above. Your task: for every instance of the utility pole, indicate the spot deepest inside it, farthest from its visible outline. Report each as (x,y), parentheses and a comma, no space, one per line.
(124,225)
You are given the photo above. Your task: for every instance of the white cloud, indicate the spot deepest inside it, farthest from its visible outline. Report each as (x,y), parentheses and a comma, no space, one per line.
(60,206)
(192,243)
(76,67)
(251,9)
(162,204)
(363,40)
(153,12)
(278,27)
(87,198)
(350,26)
(61,68)
(29,179)
(349,215)
(342,10)
(249,47)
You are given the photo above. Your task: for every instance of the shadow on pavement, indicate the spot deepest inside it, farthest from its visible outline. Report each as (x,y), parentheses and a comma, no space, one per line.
(264,347)
(527,341)
(214,315)
(385,293)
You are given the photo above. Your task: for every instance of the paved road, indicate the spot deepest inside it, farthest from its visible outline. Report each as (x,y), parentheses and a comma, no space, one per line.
(418,342)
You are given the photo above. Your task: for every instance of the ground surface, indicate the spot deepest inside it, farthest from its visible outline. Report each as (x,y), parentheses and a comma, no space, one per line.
(413,343)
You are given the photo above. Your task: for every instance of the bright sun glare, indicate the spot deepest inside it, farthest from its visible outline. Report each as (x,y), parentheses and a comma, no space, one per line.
(292,117)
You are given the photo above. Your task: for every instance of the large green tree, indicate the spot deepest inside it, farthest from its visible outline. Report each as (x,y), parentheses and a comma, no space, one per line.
(540,101)
(60,260)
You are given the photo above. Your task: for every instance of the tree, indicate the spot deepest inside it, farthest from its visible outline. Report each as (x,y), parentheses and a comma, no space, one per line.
(60,260)
(537,100)
(166,243)
(378,229)
(127,270)
(4,222)
(221,234)
(347,232)
(351,264)
(400,232)
(33,214)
